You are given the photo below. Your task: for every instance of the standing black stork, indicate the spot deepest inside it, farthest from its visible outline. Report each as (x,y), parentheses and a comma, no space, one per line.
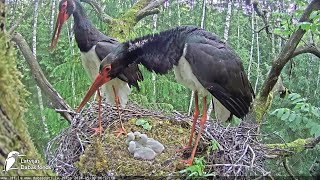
(94,46)
(200,62)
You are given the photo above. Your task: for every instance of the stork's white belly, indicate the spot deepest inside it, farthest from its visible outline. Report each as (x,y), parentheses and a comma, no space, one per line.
(185,76)
(91,64)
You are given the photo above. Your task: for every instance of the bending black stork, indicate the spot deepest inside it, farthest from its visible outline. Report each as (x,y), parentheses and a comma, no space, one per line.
(94,46)
(200,62)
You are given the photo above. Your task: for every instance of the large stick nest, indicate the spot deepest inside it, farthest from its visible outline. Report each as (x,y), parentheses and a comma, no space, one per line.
(227,150)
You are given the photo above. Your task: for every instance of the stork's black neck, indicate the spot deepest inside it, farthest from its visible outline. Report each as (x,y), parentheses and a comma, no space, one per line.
(86,34)
(161,51)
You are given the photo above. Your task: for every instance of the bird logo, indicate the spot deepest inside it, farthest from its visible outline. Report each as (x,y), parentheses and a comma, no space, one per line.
(11,160)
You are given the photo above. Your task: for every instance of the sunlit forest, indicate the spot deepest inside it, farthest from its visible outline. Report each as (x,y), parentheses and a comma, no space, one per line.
(278,44)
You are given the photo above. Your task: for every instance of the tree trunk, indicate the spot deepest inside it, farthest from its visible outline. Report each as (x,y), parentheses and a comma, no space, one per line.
(34,52)
(203,17)
(238,25)
(71,43)
(179,14)
(53,8)
(258,59)
(13,129)
(227,25)
(252,44)
(154,92)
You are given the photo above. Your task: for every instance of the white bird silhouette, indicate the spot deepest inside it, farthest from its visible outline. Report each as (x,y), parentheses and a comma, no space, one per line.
(10,160)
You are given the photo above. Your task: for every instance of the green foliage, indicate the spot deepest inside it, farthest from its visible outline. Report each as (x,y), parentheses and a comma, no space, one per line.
(299,113)
(214,146)
(197,169)
(144,123)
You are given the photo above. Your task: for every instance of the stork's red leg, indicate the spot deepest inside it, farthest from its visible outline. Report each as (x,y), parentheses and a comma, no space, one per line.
(121,130)
(195,118)
(189,161)
(99,129)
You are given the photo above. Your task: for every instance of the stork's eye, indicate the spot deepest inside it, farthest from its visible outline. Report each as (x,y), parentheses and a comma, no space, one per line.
(107,68)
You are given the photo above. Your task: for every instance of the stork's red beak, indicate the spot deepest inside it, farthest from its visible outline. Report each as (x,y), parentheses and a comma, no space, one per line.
(100,80)
(62,17)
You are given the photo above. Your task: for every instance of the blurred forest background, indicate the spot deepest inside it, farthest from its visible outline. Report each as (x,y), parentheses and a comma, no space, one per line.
(257,43)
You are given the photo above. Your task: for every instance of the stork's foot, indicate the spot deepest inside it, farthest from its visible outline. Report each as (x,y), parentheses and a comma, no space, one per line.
(185,148)
(120,131)
(188,162)
(98,130)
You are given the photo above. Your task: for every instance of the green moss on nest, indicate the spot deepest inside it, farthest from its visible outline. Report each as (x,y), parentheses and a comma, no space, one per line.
(116,159)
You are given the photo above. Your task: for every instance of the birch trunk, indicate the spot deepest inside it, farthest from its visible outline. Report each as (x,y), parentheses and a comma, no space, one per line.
(203,17)
(225,39)
(52,13)
(179,15)
(252,44)
(227,25)
(258,60)
(34,52)
(154,91)
(71,43)
(238,25)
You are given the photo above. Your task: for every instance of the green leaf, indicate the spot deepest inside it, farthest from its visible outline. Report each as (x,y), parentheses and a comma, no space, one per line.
(315,15)
(280,112)
(274,112)
(140,122)
(285,115)
(292,117)
(294,96)
(278,31)
(305,107)
(298,101)
(214,145)
(315,111)
(298,106)
(313,28)
(147,126)
(304,25)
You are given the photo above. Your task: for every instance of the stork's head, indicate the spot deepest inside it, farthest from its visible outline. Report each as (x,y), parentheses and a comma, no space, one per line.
(66,9)
(110,67)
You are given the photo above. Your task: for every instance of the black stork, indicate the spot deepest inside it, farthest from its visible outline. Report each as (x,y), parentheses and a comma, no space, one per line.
(200,61)
(94,46)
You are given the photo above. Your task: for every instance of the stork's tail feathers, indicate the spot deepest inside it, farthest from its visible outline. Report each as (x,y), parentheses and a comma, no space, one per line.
(225,105)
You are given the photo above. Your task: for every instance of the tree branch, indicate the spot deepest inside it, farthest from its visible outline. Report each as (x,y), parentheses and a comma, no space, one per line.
(306,49)
(97,8)
(150,9)
(288,149)
(42,82)
(122,26)
(262,14)
(287,51)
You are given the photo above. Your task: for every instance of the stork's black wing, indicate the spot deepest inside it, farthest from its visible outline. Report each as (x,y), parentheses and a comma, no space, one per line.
(221,72)
(131,74)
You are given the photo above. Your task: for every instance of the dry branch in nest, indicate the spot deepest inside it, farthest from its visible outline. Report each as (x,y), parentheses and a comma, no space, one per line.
(238,151)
